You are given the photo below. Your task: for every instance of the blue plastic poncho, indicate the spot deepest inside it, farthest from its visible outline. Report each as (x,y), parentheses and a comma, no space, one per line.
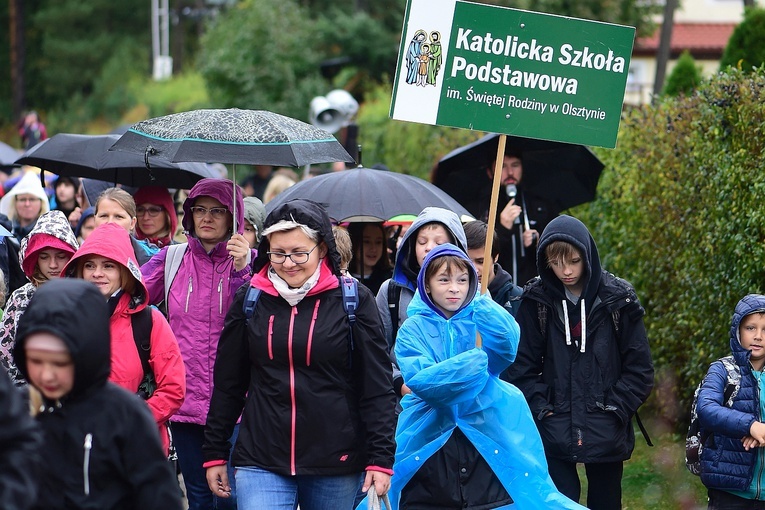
(456,384)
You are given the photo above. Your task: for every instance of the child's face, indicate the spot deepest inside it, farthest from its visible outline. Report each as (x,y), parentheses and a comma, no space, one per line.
(105,273)
(52,261)
(448,291)
(751,333)
(372,238)
(570,272)
(250,233)
(428,237)
(476,255)
(51,372)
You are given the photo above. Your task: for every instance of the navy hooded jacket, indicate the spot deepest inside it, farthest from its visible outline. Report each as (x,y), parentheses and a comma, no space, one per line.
(724,462)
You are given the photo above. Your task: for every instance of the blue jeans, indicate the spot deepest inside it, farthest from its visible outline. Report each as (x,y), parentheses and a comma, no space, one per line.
(188,439)
(259,489)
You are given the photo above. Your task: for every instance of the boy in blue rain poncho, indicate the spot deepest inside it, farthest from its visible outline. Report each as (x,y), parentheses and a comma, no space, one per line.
(465,439)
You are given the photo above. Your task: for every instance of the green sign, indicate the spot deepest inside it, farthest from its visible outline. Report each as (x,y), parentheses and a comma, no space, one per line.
(510,71)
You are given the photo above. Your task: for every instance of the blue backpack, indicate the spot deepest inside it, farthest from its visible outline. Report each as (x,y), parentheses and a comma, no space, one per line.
(350,289)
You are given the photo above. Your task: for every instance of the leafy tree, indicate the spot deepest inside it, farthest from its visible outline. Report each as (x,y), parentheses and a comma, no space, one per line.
(635,13)
(745,48)
(262,54)
(685,76)
(76,45)
(679,214)
(404,147)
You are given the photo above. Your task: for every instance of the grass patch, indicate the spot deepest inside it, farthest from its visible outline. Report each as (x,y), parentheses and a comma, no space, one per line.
(655,478)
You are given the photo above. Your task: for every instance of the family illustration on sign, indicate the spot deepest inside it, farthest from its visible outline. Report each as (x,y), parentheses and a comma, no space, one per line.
(423,59)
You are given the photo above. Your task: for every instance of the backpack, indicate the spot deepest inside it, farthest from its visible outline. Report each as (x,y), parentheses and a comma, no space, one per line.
(615,316)
(349,288)
(697,437)
(394,295)
(172,263)
(142,325)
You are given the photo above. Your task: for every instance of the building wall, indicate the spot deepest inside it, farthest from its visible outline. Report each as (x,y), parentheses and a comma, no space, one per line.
(643,69)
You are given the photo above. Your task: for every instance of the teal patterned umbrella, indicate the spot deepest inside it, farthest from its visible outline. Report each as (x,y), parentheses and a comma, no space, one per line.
(252,137)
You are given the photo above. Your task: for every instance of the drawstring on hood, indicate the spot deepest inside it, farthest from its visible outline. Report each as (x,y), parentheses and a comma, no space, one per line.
(571,230)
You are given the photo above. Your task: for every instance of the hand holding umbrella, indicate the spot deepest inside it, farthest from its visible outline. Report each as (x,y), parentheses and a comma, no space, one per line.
(239,248)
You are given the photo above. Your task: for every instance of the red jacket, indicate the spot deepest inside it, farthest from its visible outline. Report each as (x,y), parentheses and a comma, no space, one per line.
(113,242)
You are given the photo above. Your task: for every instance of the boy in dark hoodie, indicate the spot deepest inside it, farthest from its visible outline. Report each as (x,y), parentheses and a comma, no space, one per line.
(101,447)
(583,363)
(500,284)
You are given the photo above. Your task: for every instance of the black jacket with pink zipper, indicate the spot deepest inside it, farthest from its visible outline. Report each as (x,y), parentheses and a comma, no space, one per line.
(311,403)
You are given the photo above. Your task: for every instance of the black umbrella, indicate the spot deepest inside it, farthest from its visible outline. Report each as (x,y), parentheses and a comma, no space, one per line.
(8,155)
(563,174)
(365,194)
(252,137)
(88,156)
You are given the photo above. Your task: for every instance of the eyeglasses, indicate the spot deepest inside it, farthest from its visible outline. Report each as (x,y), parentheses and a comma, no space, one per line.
(217,213)
(298,257)
(25,200)
(151,211)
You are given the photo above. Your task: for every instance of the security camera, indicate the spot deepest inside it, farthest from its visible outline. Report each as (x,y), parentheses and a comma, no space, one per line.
(333,111)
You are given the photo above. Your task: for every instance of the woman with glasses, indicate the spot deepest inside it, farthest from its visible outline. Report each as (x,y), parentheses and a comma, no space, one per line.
(115,205)
(212,266)
(314,390)
(155,212)
(24,203)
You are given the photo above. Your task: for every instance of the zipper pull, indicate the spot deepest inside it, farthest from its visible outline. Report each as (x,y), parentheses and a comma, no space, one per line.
(86,463)
(220,295)
(188,293)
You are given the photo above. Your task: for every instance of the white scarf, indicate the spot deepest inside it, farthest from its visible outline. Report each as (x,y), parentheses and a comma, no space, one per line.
(290,295)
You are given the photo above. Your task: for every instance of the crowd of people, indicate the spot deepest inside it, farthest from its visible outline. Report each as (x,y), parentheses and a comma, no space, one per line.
(277,360)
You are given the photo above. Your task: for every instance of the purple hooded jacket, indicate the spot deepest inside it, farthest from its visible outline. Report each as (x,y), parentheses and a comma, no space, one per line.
(199,298)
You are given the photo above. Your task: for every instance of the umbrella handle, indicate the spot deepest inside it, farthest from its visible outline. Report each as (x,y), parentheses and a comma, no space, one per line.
(150,151)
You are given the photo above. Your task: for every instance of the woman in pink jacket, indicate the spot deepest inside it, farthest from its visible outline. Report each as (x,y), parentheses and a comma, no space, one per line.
(213,265)
(107,259)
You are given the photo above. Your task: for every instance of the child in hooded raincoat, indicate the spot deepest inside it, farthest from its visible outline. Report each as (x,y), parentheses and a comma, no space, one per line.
(459,412)
(101,447)
(733,456)
(433,226)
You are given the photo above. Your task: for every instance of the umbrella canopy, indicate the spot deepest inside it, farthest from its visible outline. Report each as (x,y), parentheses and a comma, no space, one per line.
(563,174)
(88,156)
(252,137)
(365,194)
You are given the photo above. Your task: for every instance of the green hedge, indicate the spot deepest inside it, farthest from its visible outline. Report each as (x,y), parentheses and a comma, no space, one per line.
(681,214)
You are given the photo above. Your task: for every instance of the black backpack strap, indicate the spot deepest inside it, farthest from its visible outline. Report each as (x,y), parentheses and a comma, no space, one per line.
(542,317)
(142,324)
(643,429)
(394,296)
